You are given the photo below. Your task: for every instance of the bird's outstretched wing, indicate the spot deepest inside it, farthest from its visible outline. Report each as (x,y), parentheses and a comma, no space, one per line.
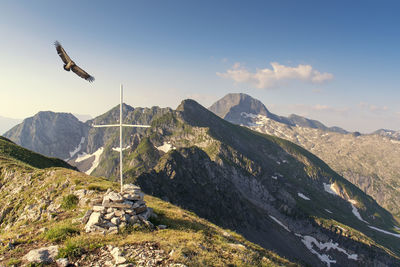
(61,52)
(81,73)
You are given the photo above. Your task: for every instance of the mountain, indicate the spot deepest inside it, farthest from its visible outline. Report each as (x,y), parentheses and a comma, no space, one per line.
(368,161)
(7,123)
(269,190)
(241,109)
(265,188)
(52,134)
(42,204)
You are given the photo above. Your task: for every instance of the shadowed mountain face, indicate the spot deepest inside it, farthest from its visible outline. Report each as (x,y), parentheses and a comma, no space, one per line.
(368,161)
(270,190)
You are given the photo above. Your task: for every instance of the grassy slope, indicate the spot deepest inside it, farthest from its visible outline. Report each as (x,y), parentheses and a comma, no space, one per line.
(10,150)
(195,241)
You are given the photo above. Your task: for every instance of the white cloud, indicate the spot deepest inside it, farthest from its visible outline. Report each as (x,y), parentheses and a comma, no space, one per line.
(267,78)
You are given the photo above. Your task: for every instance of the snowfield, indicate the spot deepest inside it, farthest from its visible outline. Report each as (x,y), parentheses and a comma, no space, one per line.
(96,161)
(310,241)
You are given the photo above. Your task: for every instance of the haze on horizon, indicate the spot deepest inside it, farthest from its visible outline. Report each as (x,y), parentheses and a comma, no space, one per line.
(336,62)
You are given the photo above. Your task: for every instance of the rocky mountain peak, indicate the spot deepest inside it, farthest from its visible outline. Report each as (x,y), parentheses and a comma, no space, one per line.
(234,103)
(43,132)
(245,110)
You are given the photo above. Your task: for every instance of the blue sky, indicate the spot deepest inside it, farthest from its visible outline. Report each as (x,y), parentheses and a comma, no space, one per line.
(335,61)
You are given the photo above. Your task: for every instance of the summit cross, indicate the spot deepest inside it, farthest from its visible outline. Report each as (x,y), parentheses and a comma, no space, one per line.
(120,125)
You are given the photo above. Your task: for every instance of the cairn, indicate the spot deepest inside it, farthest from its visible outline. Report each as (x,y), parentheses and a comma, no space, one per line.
(118,210)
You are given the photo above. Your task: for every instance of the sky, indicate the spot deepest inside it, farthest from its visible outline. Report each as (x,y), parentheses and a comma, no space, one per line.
(334,61)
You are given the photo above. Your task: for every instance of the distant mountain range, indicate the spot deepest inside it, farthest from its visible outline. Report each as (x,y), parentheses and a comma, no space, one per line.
(270,190)
(235,107)
(370,161)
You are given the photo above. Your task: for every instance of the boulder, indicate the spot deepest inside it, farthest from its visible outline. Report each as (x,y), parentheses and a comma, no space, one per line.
(86,217)
(95,218)
(112,197)
(99,208)
(130,187)
(42,255)
(115,220)
(109,216)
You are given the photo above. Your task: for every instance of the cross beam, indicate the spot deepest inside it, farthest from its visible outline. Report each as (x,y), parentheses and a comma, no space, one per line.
(120,125)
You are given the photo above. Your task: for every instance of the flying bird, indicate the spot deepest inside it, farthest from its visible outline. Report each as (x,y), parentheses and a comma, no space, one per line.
(70,65)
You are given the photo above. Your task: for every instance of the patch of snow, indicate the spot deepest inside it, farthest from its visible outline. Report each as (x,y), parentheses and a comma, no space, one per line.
(383,231)
(279,222)
(302,196)
(274,177)
(310,241)
(96,161)
(330,189)
(165,147)
(118,149)
(77,149)
(356,213)
(328,211)
(284,161)
(278,162)
(83,156)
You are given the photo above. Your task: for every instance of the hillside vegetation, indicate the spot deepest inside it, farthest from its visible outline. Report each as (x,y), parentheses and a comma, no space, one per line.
(43,206)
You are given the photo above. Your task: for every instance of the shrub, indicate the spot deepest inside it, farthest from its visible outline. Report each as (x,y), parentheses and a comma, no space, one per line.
(69,202)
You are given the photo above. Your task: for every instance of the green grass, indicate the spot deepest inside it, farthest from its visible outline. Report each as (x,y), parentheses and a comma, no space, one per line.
(72,249)
(13,151)
(69,202)
(61,232)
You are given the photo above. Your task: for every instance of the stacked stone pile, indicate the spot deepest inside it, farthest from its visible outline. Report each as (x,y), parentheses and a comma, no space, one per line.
(117,210)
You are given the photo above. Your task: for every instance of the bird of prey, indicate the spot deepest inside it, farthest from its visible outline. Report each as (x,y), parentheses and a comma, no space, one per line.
(70,65)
